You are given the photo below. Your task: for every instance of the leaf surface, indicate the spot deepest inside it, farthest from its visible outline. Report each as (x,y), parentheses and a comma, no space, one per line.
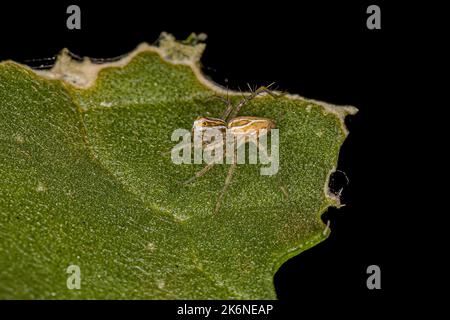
(87,179)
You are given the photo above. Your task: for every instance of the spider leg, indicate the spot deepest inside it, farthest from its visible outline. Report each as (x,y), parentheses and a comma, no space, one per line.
(165,153)
(272,94)
(200,173)
(254,94)
(225,186)
(227,111)
(227,102)
(224,100)
(168,152)
(284,191)
(268,91)
(241,103)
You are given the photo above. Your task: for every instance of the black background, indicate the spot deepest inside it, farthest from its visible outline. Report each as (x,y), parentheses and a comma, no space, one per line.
(317,49)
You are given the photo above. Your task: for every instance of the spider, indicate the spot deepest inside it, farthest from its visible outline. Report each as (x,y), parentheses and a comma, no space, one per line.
(236,126)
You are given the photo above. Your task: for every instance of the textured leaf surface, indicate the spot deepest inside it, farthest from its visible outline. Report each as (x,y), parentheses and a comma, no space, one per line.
(86,179)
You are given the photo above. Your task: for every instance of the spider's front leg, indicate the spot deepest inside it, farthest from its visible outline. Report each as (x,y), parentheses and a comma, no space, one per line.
(213,129)
(253,95)
(228,103)
(200,173)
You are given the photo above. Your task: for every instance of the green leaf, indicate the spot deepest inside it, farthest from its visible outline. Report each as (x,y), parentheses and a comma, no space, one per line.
(87,180)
